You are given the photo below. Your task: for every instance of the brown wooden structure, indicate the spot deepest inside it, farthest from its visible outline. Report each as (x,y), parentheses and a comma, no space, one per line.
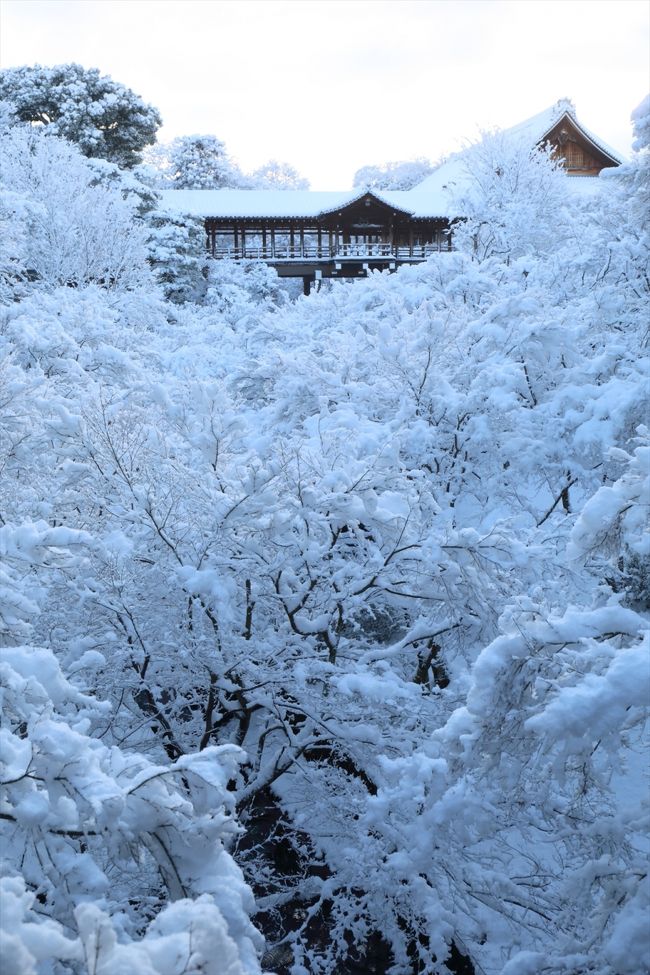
(366,233)
(580,154)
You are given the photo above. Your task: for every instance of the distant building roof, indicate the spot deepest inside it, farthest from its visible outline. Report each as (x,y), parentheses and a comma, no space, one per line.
(535,129)
(435,193)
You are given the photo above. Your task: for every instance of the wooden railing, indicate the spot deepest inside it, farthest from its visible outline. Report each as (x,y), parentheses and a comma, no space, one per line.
(309,252)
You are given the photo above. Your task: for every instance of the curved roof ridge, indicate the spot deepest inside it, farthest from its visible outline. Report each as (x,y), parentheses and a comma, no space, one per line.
(367,190)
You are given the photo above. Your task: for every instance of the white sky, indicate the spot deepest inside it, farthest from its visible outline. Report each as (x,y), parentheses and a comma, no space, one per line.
(332,85)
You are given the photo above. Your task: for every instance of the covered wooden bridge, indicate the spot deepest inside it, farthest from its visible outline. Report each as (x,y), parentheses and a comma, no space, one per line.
(315,235)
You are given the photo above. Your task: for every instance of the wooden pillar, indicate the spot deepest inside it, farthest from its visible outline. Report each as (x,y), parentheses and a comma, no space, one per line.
(411,241)
(292,239)
(243,240)
(306,283)
(320,242)
(264,254)
(272,241)
(302,240)
(236,241)
(331,244)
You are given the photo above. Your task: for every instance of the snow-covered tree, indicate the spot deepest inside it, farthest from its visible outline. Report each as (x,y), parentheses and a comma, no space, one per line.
(201,162)
(74,229)
(105,119)
(177,254)
(386,540)
(275,175)
(97,841)
(17,214)
(402,175)
(636,173)
(513,200)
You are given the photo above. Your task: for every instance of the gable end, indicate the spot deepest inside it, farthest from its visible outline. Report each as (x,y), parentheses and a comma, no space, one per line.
(580,155)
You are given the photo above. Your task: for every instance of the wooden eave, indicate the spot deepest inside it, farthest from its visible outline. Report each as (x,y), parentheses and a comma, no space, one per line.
(598,151)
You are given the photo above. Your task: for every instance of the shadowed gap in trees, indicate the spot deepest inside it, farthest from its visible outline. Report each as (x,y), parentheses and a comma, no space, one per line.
(287,866)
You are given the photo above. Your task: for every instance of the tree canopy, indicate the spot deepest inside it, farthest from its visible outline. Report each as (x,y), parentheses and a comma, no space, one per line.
(402,175)
(326,620)
(201,162)
(104,118)
(275,175)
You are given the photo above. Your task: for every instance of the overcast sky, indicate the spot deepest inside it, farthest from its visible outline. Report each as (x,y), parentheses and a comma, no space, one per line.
(331,85)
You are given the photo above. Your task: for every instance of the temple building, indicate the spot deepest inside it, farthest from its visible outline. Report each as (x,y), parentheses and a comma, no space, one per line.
(315,235)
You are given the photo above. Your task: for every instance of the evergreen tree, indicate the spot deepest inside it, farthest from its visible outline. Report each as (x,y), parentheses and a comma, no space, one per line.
(201,162)
(105,119)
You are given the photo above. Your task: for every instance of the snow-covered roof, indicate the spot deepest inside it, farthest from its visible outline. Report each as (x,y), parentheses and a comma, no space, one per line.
(254,203)
(268,203)
(433,197)
(534,129)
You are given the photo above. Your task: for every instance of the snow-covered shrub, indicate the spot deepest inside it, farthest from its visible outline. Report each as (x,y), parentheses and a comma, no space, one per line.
(611,535)
(512,200)
(76,231)
(177,254)
(96,840)
(237,290)
(17,214)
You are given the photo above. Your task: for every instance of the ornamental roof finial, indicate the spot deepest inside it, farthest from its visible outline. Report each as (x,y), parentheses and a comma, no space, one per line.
(565,105)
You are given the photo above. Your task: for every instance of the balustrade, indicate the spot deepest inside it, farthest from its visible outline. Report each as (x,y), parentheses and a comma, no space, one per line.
(313,252)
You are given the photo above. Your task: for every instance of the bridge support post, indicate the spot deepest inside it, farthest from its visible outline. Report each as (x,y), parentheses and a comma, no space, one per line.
(306,283)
